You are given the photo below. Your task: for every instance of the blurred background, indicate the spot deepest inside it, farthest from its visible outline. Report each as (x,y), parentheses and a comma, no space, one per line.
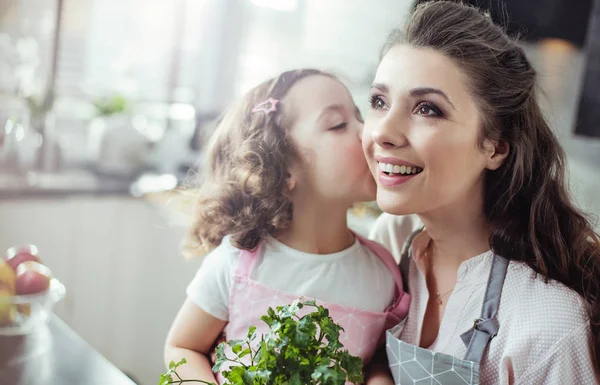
(105,106)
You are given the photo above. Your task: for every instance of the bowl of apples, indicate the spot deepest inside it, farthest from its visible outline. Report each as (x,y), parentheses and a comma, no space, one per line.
(28,291)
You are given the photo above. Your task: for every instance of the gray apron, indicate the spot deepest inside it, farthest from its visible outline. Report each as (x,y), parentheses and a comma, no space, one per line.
(412,364)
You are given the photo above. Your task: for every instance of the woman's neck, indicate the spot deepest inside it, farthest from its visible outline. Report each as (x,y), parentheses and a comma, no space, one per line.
(457,234)
(316,229)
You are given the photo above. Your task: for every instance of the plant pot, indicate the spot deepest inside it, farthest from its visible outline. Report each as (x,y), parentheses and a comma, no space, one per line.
(116,147)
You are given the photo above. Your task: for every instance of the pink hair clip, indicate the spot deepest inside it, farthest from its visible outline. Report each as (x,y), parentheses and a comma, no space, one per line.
(268,106)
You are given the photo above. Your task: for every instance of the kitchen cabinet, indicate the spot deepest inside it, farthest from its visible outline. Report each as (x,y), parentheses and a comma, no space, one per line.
(119,259)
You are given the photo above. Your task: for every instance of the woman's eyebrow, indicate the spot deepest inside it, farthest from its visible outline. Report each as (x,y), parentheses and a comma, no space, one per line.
(430,90)
(415,92)
(381,87)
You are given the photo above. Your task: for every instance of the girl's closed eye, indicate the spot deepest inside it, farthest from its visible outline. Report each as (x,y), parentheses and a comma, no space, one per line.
(428,109)
(339,127)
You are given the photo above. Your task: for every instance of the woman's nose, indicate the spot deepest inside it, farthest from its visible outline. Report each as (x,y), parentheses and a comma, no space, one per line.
(390,133)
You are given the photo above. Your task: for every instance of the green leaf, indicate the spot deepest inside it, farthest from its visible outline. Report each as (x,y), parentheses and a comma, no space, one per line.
(218,364)
(236,348)
(262,376)
(220,358)
(353,367)
(235,375)
(292,353)
(252,333)
(275,327)
(312,303)
(289,310)
(296,379)
(316,375)
(305,332)
(244,353)
(165,379)
(232,343)
(174,365)
(221,350)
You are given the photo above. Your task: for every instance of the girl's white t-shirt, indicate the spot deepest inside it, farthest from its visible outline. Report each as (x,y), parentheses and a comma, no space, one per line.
(353,277)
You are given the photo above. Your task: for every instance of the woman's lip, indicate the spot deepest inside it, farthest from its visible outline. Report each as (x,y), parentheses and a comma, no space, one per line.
(393,180)
(394,161)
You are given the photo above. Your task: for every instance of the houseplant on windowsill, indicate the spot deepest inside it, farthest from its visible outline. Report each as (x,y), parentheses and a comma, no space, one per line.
(114,145)
(298,350)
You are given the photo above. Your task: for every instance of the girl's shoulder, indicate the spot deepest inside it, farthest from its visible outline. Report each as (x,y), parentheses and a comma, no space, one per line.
(223,259)
(210,288)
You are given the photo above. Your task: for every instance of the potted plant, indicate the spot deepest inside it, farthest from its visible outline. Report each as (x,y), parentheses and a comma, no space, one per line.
(297,350)
(114,145)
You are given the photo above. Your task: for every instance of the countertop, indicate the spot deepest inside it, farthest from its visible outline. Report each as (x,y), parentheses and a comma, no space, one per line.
(78,182)
(55,355)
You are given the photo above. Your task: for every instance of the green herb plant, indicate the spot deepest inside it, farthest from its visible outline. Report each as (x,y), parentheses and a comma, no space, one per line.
(297,350)
(112,105)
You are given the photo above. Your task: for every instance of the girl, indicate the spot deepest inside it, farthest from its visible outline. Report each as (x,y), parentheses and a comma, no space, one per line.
(284,167)
(502,244)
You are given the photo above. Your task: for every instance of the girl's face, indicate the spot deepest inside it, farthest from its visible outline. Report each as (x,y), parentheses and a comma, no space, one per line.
(327,133)
(421,135)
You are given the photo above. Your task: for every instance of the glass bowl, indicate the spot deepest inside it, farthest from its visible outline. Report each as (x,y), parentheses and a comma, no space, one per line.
(20,314)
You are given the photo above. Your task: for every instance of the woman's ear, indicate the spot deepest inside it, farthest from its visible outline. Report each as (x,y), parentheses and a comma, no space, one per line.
(497,153)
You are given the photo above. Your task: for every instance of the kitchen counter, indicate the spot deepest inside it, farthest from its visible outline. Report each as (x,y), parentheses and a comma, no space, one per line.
(55,355)
(80,182)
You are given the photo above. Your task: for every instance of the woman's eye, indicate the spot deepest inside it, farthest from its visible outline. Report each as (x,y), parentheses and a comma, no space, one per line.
(377,103)
(428,109)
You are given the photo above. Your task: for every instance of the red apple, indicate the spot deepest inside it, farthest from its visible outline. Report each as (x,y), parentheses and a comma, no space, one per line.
(14,257)
(32,278)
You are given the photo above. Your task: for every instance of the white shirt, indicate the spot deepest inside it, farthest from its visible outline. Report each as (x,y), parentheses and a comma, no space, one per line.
(544,336)
(354,277)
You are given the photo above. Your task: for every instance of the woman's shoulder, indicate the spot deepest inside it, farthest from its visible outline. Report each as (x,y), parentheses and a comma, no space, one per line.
(392,230)
(546,307)
(544,329)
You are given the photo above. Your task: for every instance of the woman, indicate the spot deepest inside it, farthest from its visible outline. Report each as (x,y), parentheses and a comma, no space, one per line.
(455,135)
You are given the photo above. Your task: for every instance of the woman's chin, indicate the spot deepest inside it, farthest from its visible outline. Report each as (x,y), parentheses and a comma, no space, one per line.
(394,204)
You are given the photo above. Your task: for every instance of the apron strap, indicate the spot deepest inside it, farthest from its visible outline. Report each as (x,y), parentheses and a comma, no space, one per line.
(405,257)
(246,262)
(486,327)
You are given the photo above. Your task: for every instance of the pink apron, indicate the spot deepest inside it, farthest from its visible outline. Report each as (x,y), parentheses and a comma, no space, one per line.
(364,331)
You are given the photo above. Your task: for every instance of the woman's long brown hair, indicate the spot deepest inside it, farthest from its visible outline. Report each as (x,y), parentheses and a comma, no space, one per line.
(526,200)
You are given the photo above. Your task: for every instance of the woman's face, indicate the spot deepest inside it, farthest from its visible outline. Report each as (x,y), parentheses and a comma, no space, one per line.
(421,134)
(327,132)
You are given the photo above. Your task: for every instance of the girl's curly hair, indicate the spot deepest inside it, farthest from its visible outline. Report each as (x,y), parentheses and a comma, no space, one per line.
(242,191)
